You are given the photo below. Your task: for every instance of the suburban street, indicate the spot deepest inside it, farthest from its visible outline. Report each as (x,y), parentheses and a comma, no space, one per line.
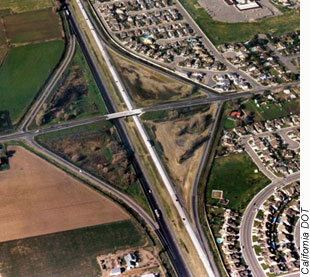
(248,219)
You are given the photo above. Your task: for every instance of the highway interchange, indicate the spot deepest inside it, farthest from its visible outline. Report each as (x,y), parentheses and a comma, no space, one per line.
(161,226)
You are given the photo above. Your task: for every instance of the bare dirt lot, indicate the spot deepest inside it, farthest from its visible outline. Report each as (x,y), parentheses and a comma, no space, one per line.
(37,198)
(146,262)
(181,138)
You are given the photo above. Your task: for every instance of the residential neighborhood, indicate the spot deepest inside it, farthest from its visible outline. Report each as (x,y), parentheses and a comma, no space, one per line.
(273,231)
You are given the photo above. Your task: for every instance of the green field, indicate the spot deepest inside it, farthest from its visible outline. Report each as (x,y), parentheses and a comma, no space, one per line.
(229,124)
(234,174)
(23,72)
(271,111)
(222,32)
(96,148)
(33,26)
(18,6)
(70,253)
(75,96)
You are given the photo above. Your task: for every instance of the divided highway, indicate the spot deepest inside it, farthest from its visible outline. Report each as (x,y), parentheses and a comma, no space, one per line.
(163,232)
(159,167)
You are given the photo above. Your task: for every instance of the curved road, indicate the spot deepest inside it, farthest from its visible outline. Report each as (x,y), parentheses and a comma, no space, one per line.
(194,192)
(51,84)
(248,219)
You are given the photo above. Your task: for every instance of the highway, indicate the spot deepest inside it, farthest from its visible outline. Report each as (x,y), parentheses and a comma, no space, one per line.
(164,233)
(248,219)
(152,152)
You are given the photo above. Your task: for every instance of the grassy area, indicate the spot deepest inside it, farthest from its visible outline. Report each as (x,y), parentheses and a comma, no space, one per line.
(154,116)
(18,6)
(270,110)
(70,253)
(222,32)
(33,26)
(75,96)
(97,149)
(229,124)
(234,174)
(23,72)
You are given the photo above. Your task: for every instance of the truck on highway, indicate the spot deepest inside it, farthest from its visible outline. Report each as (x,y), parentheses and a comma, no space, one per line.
(157,213)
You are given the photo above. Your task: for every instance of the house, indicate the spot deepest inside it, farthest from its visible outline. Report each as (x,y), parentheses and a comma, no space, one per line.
(131,261)
(236,114)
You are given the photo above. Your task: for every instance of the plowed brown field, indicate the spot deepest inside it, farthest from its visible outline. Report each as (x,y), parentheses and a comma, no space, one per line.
(37,198)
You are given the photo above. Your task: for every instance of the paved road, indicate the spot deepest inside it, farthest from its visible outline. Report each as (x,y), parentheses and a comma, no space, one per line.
(51,84)
(194,193)
(291,143)
(286,60)
(152,152)
(164,233)
(257,160)
(297,235)
(248,219)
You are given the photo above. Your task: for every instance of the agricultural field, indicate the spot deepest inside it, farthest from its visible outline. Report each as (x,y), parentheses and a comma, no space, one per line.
(32,26)
(23,73)
(179,136)
(222,32)
(18,6)
(37,198)
(70,253)
(236,176)
(97,149)
(147,87)
(76,95)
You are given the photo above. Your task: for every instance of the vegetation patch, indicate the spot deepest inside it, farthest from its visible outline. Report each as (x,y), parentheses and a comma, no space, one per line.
(234,174)
(178,136)
(4,158)
(76,95)
(222,32)
(97,149)
(266,112)
(32,26)
(23,72)
(70,253)
(18,6)
(147,87)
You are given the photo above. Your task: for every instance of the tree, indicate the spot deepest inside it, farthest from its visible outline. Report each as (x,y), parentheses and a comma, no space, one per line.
(40,118)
